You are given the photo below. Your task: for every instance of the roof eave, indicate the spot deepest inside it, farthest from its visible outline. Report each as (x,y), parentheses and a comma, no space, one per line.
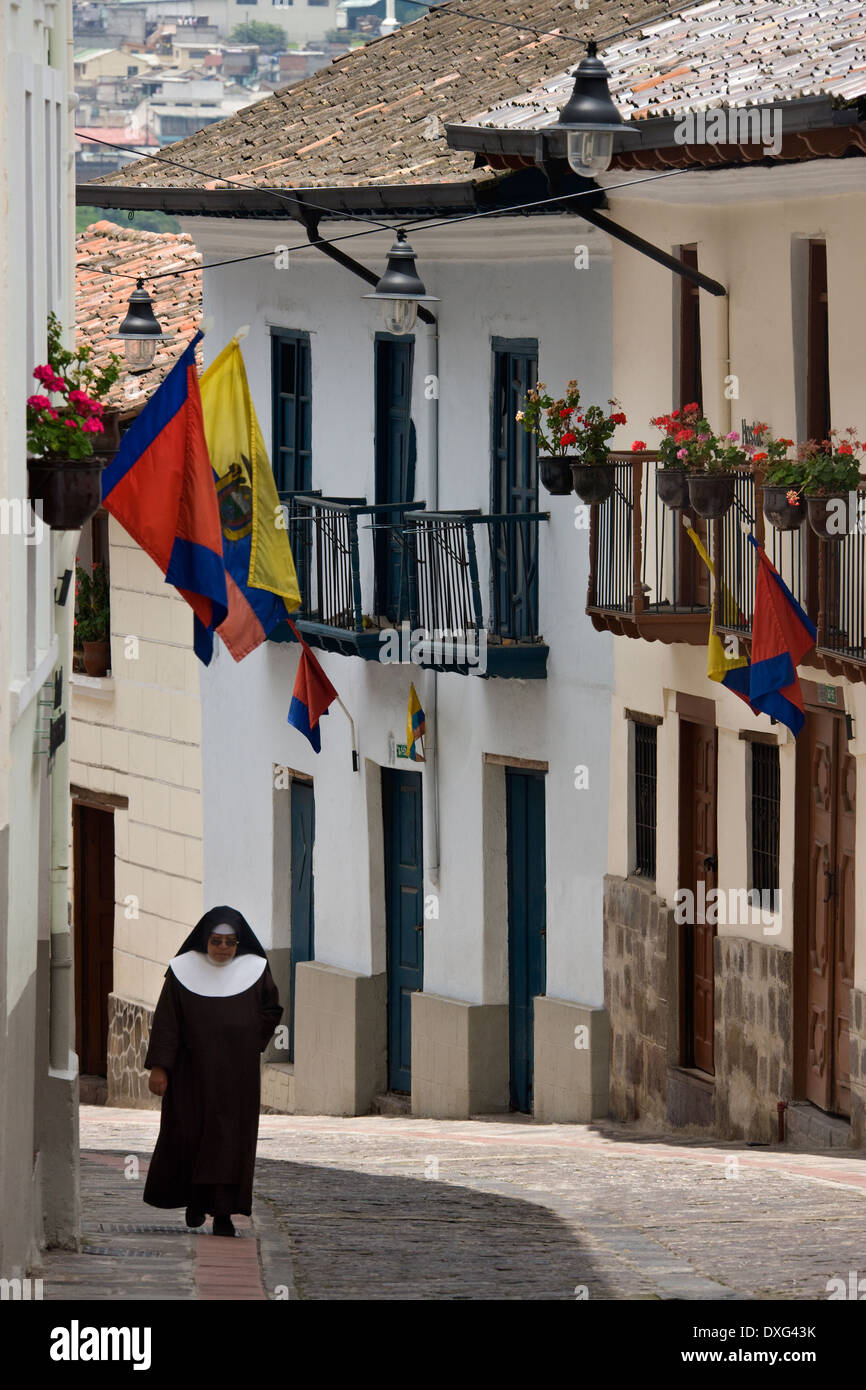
(656,132)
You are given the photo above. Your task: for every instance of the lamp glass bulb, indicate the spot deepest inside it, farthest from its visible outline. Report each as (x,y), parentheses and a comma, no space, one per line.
(590,151)
(400,315)
(139,353)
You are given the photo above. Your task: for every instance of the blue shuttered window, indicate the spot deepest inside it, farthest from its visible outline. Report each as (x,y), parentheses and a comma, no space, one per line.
(291,411)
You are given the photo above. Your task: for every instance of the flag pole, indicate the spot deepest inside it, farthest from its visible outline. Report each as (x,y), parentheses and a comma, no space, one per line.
(355,767)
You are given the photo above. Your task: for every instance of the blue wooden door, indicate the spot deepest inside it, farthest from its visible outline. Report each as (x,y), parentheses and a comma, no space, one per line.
(404,902)
(303,835)
(514,489)
(395,469)
(527,923)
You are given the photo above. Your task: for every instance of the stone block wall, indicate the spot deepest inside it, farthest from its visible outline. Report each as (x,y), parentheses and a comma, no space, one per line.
(858,1067)
(753,1037)
(640,993)
(128,1040)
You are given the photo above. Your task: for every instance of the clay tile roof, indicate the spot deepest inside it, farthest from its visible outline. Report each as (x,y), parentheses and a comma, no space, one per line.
(104,253)
(721,53)
(376,116)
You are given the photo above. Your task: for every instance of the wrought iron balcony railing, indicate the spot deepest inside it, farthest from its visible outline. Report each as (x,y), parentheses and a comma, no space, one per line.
(647,580)
(492,625)
(464,583)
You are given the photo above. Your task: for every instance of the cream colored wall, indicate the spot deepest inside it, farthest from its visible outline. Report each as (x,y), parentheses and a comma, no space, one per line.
(111,64)
(747,246)
(145,743)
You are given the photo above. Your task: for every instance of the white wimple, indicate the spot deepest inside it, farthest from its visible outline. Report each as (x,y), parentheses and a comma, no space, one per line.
(198,973)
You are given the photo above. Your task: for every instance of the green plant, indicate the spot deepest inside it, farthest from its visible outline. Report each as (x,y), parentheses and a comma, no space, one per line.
(271,38)
(92,605)
(66,427)
(830,466)
(562,430)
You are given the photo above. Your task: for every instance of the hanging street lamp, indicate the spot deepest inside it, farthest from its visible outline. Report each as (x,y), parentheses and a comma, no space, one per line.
(590,117)
(140,331)
(400,290)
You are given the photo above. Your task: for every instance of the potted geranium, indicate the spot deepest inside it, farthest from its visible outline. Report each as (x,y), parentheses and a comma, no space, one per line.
(832,472)
(710,461)
(671,474)
(64,423)
(575,442)
(783,479)
(92,619)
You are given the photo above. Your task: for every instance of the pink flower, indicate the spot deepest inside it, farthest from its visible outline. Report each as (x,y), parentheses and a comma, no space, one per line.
(93,427)
(39,402)
(793,497)
(52,414)
(732,437)
(702,438)
(71,424)
(682,453)
(45,374)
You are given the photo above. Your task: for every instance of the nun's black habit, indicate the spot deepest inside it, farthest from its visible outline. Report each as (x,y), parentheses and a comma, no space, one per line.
(210,1026)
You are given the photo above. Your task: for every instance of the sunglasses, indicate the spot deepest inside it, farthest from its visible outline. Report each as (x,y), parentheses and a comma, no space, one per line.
(223,940)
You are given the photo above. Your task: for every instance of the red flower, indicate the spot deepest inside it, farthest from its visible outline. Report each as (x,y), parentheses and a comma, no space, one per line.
(684,436)
(564,414)
(619,419)
(690,409)
(675,414)
(759,458)
(845,449)
(568,438)
(638,446)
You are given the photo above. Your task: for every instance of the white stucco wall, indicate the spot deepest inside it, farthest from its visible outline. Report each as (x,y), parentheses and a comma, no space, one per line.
(508,283)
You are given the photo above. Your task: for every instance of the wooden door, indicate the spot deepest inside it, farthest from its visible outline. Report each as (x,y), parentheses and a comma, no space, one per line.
(303,813)
(527,924)
(698,866)
(395,450)
(829,936)
(93,909)
(404,905)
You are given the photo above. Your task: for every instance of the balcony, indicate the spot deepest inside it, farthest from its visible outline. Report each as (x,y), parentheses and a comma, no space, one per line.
(367,570)
(647,580)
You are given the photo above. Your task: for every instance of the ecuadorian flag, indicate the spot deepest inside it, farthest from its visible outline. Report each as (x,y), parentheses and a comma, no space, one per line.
(160,487)
(416,727)
(782,634)
(730,671)
(260,573)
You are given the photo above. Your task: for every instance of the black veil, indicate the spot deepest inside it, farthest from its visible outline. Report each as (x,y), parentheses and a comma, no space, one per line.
(248,942)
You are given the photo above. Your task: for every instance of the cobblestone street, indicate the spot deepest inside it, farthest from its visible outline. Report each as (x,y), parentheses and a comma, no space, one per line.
(382,1207)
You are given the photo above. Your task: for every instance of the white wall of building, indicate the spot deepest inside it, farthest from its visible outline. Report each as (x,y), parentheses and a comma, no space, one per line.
(510,282)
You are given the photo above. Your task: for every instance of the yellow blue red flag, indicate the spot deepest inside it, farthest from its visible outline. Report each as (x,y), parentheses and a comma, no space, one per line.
(260,572)
(416,727)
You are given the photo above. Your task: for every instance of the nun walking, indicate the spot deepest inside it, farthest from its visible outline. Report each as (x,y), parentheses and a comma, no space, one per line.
(217,1012)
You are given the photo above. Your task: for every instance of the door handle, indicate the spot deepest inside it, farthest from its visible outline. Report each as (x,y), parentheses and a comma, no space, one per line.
(711,862)
(830,876)
(420,927)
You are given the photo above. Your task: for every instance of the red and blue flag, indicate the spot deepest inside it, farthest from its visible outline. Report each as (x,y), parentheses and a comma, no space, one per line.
(312,695)
(160,487)
(782,634)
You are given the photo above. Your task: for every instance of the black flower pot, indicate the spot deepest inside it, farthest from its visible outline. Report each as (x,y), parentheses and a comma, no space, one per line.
(828,516)
(784,515)
(711,494)
(109,441)
(672,487)
(555,474)
(68,491)
(593,482)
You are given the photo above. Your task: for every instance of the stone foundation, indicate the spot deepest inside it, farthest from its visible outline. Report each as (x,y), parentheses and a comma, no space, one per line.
(753,1037)
(459,1057)
(858,1068)
(128,1040)
(640,993)
(571,1062)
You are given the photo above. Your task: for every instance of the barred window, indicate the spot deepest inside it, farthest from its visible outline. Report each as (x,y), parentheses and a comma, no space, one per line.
(645,799)
(765,817)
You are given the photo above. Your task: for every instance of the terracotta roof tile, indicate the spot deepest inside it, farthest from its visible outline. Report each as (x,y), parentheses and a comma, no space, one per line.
(108,259)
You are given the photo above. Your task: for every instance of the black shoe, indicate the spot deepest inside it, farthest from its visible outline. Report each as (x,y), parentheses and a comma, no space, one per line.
(223,1226)
(194,1218)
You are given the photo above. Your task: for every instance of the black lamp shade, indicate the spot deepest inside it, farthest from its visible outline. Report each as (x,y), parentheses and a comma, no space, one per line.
(401,280)
(591,106)
(140,321)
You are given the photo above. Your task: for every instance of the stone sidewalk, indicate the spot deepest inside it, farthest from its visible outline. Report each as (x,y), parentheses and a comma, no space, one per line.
(380,1207)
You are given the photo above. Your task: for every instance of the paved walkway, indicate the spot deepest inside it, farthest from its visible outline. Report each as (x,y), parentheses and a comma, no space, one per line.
(381,1207)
